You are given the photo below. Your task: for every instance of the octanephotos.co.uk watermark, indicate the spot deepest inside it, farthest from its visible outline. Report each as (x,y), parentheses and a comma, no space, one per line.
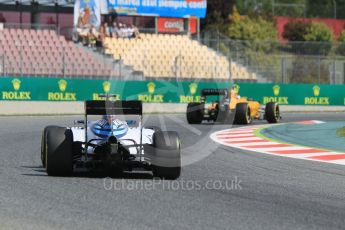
(111,184)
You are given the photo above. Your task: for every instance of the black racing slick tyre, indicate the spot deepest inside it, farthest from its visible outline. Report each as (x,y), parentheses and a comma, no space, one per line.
(242,114)
(194,113)
(43,144)
(59,151)
(166,156)
(272,112)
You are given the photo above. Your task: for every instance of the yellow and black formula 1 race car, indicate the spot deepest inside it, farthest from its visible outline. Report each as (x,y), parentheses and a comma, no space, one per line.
(230,108)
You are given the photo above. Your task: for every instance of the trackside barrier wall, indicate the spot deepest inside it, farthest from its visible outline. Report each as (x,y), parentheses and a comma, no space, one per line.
(57,89)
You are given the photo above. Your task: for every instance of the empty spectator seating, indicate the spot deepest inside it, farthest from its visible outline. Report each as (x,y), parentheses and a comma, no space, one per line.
(25,52)
(167,56)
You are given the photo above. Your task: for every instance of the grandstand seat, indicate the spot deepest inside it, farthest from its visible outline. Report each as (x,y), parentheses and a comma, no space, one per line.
(161,55)
(41,52)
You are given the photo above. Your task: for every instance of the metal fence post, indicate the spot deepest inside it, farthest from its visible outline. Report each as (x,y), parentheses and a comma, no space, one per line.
(3,64)
(344,73)
(21,61)
(120,71)
(319,69)
(180,65)
(283,70)
(63,62)
(334,71)
(230,69)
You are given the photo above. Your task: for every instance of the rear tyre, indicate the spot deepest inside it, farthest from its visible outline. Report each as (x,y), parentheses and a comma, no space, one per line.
(166,159)
(242,114)
(272,112)
(43,144)
(194,113)
(59,151)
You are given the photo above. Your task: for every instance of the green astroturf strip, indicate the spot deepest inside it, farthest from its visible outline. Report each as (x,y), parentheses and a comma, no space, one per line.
(321,136)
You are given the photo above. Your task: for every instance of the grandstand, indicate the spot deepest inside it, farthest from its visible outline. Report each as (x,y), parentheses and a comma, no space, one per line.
(33,51)
(167,56)
(35,40)
(29,52)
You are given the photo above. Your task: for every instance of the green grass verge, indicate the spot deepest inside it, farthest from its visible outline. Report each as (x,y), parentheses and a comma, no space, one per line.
(341,132)
(258,133)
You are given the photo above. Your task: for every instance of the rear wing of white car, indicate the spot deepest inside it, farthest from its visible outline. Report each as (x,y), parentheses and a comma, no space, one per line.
(107,107)
(129,109)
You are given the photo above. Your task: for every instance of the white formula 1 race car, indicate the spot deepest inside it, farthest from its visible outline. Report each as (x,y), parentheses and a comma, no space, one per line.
(111,137)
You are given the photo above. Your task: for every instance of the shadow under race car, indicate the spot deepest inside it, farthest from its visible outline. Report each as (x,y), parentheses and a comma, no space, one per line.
(230,109)
(115,141)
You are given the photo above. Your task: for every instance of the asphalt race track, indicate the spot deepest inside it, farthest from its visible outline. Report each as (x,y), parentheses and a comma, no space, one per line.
(220,187)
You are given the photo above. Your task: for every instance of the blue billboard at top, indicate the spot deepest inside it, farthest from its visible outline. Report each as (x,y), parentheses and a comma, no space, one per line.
(162,8)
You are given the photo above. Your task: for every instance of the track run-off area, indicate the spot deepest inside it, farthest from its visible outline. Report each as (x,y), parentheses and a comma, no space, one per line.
(244,183)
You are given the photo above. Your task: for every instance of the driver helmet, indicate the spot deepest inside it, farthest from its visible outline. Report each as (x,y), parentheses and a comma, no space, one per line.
(108,126)
(109,118)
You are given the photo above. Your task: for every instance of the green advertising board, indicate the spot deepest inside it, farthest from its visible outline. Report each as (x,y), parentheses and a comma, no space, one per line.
(295,94)
(57,89)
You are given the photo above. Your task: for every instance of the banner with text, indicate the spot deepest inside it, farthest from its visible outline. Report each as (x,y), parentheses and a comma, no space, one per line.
(55,89)
(162,8)
(170,25)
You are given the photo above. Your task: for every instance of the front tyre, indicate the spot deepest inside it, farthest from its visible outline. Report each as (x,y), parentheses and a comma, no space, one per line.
(272,112)
(242,114)
(59,151)
(166,159)
(43,144)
